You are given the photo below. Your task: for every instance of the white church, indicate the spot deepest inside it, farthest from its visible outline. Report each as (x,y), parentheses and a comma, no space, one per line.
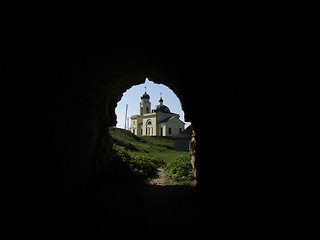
(156,122)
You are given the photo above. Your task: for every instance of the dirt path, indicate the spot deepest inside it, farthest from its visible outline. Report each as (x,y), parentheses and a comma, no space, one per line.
(161,179)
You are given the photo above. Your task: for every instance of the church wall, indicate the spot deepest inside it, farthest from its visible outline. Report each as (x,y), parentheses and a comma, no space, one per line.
(140,130)
(164,129)
(135,122)
(154,130)
(146,118)
(174,129)
(154,125)
(175,124)
(145,107)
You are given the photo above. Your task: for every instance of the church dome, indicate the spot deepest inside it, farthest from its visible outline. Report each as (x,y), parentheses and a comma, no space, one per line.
(145,96)
(161,108)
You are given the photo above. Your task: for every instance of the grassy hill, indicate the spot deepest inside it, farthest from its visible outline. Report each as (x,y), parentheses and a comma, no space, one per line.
(160,148)
(138,159)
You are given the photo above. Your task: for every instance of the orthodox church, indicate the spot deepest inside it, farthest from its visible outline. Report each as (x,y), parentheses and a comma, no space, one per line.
(156,122)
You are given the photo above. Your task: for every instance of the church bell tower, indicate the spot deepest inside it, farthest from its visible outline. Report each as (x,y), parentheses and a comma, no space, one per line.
(145,104)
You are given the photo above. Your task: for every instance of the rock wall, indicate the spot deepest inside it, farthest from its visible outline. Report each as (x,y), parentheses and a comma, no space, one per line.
(192,151)
(253,74)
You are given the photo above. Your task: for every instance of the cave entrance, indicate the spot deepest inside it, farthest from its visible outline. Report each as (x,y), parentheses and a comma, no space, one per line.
(151,139)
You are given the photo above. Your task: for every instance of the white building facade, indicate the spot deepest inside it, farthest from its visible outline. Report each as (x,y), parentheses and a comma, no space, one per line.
(156,122)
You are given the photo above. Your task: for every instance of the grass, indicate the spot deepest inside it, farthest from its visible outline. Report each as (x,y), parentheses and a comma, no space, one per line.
(160,148)
(139,157)
(134,168)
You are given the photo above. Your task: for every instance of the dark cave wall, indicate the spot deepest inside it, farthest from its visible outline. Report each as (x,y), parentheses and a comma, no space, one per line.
(61,93)
(254,79)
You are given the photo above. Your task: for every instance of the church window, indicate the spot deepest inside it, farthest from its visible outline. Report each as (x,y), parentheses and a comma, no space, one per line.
(147,110)
(180,130)
(169,130)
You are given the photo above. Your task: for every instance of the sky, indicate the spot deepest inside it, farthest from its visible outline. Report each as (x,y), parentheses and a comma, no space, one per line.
(132,98)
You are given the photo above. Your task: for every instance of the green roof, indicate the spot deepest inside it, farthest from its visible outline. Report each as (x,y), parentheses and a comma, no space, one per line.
(145,96)
(161,108)
(166,119)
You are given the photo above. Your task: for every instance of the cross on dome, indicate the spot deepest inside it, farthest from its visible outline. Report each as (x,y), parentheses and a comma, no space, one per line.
(161,100)
(145,96)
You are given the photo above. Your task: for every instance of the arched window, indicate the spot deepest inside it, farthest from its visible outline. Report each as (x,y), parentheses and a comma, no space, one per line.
(149,122)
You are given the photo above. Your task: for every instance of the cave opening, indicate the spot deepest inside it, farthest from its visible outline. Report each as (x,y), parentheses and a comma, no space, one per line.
(151,141)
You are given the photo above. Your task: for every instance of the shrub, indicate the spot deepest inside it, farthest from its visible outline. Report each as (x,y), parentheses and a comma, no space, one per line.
(135,167)
(180,169)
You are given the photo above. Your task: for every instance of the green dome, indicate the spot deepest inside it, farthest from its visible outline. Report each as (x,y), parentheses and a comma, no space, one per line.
(161,108)
(145,96)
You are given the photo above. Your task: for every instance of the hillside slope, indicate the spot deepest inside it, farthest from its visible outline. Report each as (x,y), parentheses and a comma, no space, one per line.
(160,148)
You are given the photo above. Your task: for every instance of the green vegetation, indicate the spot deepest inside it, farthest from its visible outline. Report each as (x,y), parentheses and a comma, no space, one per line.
(180,169)
(135,167)
(138,158)
(160,148)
